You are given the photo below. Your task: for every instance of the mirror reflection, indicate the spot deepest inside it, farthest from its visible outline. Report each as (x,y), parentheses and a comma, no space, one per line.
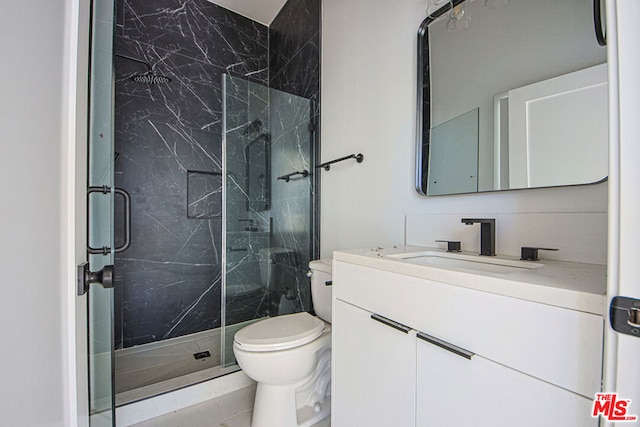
(536,78)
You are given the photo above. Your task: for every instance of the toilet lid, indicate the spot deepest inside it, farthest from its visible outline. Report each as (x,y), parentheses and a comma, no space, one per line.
(279,333)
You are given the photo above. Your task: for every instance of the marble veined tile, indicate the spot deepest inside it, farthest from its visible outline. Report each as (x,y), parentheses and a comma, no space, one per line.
(295,25)
(300,74)
(200,30)
(204,195)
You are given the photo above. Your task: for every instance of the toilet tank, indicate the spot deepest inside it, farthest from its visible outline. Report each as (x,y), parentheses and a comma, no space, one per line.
(276,266)
(320,291)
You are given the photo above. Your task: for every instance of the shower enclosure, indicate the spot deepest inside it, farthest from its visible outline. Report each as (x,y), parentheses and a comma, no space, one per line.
(221,230)
(202,187)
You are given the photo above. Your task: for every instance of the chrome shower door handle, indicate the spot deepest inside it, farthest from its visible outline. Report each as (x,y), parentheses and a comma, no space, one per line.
(105,250)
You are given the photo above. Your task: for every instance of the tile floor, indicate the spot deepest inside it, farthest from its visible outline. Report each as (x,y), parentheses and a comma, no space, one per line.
(231,410)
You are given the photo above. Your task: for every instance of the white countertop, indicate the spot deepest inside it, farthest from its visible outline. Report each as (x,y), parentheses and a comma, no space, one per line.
(569,285)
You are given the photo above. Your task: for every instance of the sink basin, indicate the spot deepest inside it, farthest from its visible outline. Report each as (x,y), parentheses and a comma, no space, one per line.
(466,262)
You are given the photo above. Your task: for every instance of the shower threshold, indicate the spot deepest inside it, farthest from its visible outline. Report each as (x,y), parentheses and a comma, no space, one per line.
(151,369)
(173,384)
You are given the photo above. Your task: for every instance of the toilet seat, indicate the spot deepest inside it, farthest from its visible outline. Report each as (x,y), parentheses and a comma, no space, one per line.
(279,333)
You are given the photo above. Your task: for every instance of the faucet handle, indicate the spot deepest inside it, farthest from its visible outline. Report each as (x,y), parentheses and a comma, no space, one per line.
(471,221)
(452,245)
(530,253)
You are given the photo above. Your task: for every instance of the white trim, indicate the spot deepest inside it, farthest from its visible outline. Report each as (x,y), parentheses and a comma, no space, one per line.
(627,36)
(610,338)
(67,217)
(73,205)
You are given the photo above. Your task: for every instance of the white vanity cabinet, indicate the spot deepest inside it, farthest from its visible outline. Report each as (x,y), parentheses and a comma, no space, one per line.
(455,391)
(376,372)
(496,360)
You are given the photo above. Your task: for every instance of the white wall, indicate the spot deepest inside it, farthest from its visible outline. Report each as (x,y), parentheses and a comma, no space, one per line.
(37,214)
(368,106)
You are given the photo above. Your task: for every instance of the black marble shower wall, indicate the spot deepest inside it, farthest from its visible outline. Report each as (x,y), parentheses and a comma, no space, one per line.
(169,154)
(294,49)
(168,157)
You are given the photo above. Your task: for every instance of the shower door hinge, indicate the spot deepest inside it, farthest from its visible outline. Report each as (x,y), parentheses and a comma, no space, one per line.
(624,315)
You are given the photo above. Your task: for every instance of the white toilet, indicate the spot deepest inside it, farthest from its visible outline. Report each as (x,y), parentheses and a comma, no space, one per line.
(290,358)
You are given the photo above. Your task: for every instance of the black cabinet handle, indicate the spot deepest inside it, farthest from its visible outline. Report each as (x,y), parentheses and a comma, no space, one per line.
(392,323)
(445,345)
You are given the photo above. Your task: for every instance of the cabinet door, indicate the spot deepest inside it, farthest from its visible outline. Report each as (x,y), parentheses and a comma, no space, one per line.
(455,391)
(373,371)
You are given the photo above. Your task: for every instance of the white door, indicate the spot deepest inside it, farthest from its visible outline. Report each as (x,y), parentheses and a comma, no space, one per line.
(622,370)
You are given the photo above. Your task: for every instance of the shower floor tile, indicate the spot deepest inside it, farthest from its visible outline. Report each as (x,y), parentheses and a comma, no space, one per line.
(156,368)
(156,362)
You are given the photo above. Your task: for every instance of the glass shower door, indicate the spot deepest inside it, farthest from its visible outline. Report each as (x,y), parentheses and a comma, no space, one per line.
(268,155)
(100,220)
(246,192)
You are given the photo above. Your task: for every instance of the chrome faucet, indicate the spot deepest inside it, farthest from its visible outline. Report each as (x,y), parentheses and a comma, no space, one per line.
(487,234)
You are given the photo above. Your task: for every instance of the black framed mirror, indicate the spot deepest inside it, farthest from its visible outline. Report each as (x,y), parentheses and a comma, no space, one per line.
(515,98)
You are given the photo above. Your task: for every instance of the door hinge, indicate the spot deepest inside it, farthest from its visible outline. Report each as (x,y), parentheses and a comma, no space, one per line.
(624,315)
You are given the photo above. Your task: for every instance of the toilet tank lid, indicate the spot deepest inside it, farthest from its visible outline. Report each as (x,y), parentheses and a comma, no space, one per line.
(280,333)
(321,265)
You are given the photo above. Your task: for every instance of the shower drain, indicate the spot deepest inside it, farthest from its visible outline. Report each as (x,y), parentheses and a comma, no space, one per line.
(202,355)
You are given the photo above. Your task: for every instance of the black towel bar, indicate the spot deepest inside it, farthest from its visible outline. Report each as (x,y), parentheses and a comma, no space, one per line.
(327,165)
(287,177)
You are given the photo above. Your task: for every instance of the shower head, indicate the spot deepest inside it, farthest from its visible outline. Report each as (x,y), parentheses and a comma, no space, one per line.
(150,78)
